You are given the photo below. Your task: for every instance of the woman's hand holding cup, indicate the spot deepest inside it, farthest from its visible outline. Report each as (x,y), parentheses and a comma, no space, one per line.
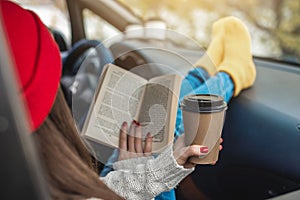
(131,146)
(182,153)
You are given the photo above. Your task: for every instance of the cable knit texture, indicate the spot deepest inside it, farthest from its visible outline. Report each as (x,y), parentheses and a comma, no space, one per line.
(146,180)
(130,163)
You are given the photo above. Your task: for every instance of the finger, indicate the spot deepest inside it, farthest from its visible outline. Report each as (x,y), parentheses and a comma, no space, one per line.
(220,148)
(213,163)
(189,165)
(138,140)
(148,145)
(130,138)
(221,140)
(136,122)
(196,150)
(123,137)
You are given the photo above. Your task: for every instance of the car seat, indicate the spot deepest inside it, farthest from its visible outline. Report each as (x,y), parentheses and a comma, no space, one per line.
(59,39)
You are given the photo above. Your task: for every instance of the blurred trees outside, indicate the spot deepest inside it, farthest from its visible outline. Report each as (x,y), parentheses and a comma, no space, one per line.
(273,24)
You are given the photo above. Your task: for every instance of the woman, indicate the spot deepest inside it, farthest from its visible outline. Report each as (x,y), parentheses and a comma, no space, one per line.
(225,69)
(69,169)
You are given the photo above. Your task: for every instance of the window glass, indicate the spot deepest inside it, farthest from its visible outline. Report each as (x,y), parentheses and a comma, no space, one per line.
(53,13)
(96,27)
(274,25)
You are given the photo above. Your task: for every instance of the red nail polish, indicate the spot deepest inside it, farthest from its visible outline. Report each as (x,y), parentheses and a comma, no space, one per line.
(204,149)
(136,123)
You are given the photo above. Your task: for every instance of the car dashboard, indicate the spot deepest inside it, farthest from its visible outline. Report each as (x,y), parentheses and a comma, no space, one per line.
(260,156)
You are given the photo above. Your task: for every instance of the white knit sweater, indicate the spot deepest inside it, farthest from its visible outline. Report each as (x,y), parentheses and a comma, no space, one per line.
(146,177)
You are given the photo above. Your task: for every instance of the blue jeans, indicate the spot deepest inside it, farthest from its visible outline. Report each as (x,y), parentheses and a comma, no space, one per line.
(197,81)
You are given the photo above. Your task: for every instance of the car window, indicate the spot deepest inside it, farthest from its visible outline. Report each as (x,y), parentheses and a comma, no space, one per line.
(274,25)
(96,27)
(53,13)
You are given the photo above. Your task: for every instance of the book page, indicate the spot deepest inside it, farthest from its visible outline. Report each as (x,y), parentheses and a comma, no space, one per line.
(158,109)
(117,101)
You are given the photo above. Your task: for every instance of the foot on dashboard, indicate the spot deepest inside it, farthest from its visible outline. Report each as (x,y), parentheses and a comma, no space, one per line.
(237,59)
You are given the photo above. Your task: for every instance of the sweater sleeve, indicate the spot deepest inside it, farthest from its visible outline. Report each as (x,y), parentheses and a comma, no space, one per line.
(130,164)
(147,180)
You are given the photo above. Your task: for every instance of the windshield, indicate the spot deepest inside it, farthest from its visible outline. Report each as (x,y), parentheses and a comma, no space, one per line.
(274,25)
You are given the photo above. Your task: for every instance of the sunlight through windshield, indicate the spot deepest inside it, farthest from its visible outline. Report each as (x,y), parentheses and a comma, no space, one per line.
(274,25)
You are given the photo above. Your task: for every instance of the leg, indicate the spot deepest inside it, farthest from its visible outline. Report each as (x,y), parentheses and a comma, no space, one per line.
(220,84)
(236,70)
(194,79)
(169,195)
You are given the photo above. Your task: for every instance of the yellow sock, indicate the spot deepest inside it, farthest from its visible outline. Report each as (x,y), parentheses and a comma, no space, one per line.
(214,53)
(237,59)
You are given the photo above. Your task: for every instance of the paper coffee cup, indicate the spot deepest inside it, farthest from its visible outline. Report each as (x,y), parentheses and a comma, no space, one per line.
(203,118)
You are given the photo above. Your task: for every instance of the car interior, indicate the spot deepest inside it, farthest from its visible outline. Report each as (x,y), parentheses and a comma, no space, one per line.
(260,157)
(21,174)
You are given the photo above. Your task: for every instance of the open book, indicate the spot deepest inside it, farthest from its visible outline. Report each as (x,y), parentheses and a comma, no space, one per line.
(124,96)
